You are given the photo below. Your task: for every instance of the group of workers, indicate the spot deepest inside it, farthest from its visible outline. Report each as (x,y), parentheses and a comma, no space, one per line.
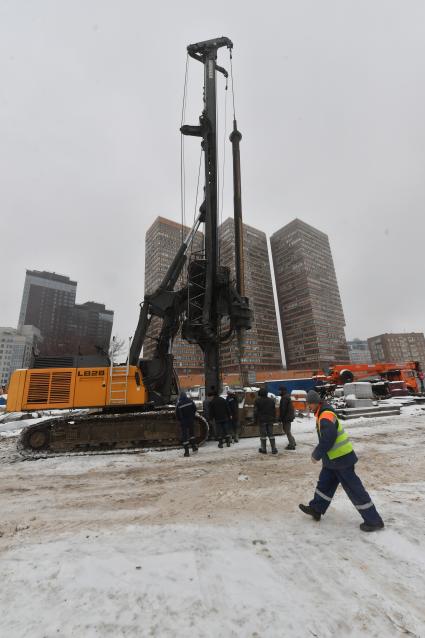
(334,448)
(224,413)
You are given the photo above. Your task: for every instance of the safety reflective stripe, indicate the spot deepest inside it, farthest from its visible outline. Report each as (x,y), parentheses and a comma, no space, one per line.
(342,442)
(327,498)
(184,405)
(365,506)
(342,445)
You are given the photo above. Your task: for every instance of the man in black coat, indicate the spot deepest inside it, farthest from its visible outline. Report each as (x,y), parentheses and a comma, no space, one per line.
(287,415)
(185,413)
(232,402)
(219,411)
(265,416)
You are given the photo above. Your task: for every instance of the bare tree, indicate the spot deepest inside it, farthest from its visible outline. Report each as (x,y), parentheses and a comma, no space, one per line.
(116,348)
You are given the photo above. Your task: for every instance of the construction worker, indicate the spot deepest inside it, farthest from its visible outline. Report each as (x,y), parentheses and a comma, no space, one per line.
(287,415)
(338,458)
(219,411)
(232,402)
(265,416)
(185,414)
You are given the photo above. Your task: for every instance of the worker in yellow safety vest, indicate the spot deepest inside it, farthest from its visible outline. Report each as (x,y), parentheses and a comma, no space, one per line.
(338,458)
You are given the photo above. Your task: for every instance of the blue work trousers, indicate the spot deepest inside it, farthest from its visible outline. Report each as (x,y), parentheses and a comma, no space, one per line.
(329,479)
(222,429)
(187,432)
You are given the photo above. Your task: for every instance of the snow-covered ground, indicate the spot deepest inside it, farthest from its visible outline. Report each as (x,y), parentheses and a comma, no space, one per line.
(157,545)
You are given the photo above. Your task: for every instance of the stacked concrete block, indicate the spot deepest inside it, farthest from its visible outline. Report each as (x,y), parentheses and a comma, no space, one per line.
(358,394)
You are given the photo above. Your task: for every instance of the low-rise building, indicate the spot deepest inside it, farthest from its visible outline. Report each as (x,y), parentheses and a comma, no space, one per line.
(17,348)
(398,347)
(359,352)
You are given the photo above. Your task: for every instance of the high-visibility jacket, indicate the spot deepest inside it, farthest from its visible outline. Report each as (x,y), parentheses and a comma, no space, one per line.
(341,446)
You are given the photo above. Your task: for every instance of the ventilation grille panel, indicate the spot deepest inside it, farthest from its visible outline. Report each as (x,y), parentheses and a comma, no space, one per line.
(38,391)
(60,387)
(49,388)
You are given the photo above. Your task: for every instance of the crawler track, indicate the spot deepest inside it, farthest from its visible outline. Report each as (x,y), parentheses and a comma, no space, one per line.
(91,433)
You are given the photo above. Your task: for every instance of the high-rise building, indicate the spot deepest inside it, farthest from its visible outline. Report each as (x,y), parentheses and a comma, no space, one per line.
(310,306)
(359,351)
(163,239)
(47,302)
(262,347)
(90,328)
(398,347)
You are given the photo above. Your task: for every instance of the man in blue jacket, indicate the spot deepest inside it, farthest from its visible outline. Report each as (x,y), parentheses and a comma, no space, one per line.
(232,402)
(338,458)
(185,413)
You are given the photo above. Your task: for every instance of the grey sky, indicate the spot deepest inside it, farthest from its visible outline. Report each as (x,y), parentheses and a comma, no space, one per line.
(330,98)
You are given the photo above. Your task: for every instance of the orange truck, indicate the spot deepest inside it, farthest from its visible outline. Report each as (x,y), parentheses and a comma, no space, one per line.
(403,372)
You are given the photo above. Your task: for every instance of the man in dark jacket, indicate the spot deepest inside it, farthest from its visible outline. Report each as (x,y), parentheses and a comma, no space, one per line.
(220,412)
(287,415)
(265,416)
(338,458)
(185,413)
(232,402)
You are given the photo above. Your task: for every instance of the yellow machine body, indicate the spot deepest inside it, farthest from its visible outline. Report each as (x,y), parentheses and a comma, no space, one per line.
(66,388)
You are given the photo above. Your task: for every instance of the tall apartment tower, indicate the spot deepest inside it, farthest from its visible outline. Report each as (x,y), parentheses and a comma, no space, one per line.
(262,348)
(47,302)
(163,239)
(90,328)
(398,347)
(310,306)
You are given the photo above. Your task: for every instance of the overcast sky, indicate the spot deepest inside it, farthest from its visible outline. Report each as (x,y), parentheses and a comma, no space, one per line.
(330,98)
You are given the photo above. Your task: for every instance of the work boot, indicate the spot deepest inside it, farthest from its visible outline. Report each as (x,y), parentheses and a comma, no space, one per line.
(310,511)
(186,450)
(263,448)
(290,447)
(220,443)
(367,527)
(193,444)
(236,438)
(273,445)
(228,440)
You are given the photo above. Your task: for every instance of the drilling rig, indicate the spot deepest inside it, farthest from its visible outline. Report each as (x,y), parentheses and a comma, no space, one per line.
(132,402)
